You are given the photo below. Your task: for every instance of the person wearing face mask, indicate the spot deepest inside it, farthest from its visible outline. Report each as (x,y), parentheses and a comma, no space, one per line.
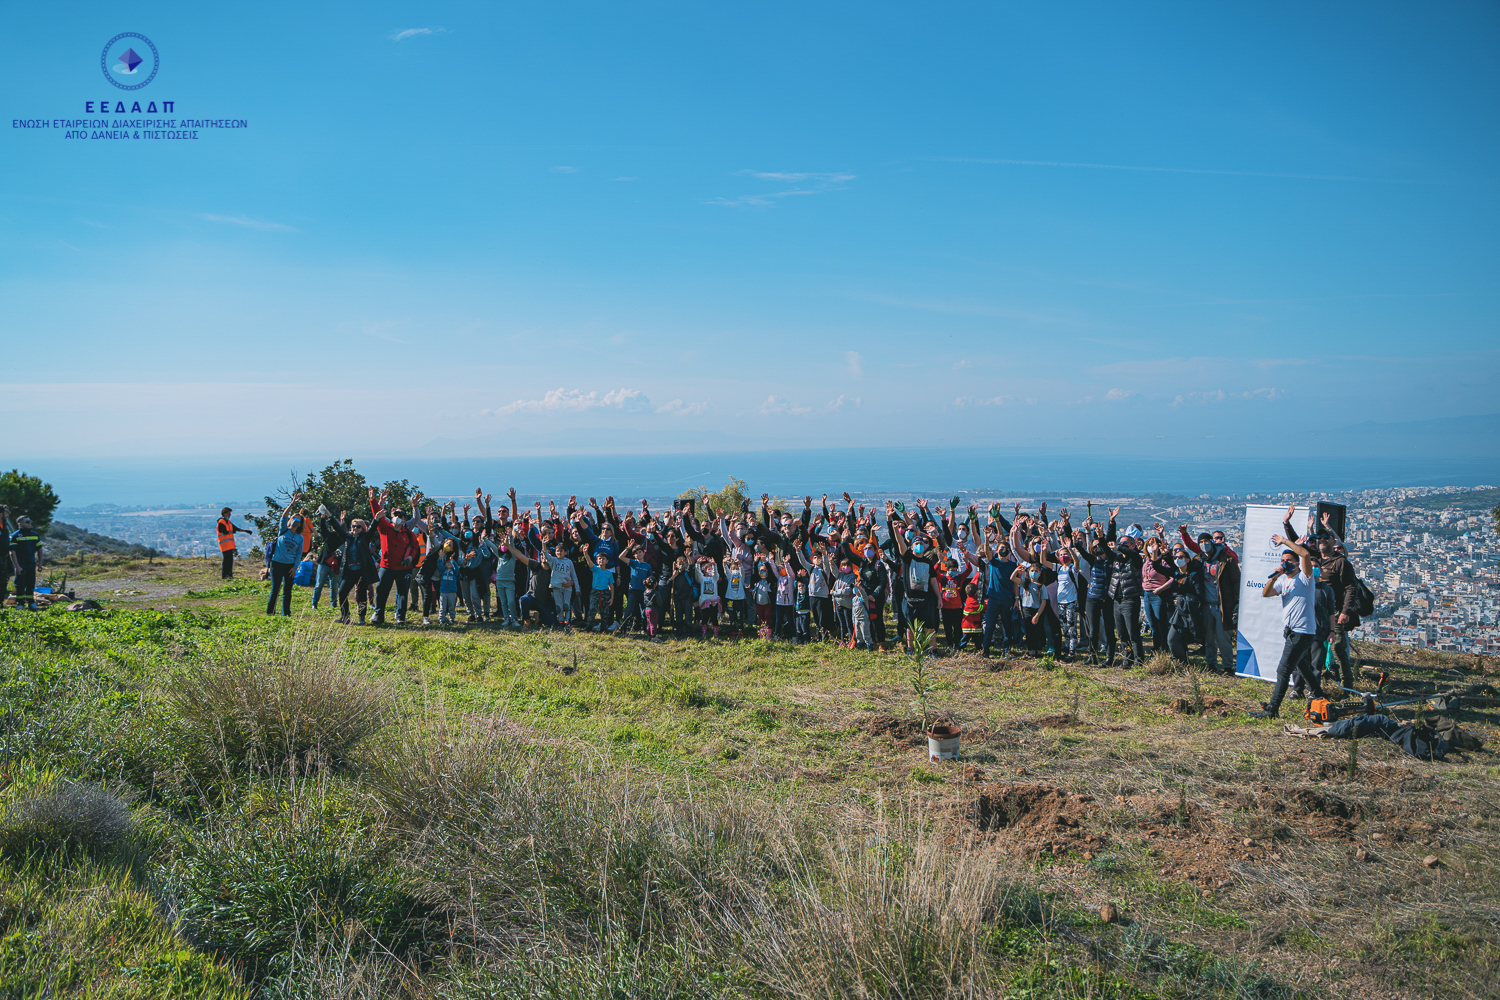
(285,552)
(1156,603)
(999,589)
(1067,598)
(1221,590)
(1185,587)
(1031,579)
(1333,562)
(1099,612)
(1293,583)
(1125,563)
(360,570)
(917,559)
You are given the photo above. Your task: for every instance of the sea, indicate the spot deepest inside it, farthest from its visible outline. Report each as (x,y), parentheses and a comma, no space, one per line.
(918,471)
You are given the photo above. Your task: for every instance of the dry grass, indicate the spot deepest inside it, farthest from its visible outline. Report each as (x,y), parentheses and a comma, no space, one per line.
(294,698)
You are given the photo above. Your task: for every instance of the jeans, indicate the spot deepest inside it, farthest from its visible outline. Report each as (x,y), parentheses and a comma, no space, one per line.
(861,621)
(447,603)
(281,573)
(545,615)
(633,611)
(1296,655)
(226,565)
(1216,640)
(845,617)
(1158,617)
(505,601)
(401,580)
(997,621)
(1340,640)
(327,577)
(1101,624)
(1128,626)
(473,599)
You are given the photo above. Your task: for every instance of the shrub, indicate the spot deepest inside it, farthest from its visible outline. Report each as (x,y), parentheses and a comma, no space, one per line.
(65,819)
(279,703)
(305,881)
(515,844)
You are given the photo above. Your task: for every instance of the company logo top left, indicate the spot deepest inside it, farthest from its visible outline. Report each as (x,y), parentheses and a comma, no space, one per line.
(130,60)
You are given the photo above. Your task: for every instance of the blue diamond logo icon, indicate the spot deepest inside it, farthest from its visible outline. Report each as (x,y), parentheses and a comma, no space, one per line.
(128,62)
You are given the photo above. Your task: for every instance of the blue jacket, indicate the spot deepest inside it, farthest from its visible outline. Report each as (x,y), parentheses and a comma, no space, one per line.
(288,546)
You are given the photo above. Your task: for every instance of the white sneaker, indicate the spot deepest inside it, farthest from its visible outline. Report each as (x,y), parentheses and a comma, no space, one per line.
(426,620)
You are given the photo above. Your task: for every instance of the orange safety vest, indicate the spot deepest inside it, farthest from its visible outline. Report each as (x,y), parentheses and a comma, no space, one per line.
(226,536)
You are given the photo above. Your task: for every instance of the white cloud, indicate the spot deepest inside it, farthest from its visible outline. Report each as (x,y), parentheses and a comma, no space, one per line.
(856,363)
(1115,395)
(814,183)
(962,363)
(1219,396)
(964,402)
(677,408)
(576,401)
(565,170)
(240,220)
(403,35)
(776,405)
(844,403)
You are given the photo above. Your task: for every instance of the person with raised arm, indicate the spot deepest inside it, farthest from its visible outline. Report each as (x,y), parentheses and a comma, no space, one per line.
(1294,584)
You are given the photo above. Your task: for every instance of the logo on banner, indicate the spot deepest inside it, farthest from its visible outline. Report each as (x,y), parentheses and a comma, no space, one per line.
(130,60)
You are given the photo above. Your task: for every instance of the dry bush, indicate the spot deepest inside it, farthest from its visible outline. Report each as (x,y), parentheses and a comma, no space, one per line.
(289,700)
(533,853)
(882,907)
(1164,663)
(515,843)
(66,818)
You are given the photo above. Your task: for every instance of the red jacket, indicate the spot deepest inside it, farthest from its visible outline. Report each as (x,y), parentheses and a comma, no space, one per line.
(399,549)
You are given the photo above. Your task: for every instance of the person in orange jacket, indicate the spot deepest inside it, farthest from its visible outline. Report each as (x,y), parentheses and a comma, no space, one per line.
(227,530)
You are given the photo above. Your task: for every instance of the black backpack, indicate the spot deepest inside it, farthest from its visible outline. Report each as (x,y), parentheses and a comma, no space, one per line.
(1364,599)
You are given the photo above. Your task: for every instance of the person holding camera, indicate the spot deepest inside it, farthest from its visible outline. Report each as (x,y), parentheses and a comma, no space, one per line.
(1294,584)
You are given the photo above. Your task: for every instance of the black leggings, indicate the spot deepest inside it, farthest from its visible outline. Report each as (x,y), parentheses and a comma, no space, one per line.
(953,624)
(281,573)
(226,568)
(363,587)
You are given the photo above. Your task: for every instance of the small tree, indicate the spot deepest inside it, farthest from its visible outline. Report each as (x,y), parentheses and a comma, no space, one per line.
(338,487)
(729,497)
(28,495)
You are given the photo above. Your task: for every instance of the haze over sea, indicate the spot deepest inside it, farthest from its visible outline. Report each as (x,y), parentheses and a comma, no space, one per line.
(1008,471)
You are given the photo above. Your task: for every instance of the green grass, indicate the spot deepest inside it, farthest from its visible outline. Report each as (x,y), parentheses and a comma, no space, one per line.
(278,866)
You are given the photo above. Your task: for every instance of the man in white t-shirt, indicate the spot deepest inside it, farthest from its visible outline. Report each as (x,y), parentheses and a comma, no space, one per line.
(1294,584)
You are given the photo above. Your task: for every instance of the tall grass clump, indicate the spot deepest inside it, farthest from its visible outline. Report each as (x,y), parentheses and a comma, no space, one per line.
(519,843)
(293,874)
(883,906)
(291,699)
(65,819)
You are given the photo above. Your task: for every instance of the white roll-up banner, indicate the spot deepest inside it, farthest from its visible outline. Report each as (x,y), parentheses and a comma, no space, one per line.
(1260,622)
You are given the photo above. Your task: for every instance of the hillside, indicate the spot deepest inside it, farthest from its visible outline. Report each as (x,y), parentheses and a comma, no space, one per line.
(69,540)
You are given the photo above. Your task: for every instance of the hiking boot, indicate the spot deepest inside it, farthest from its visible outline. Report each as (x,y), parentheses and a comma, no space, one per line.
(1266,712)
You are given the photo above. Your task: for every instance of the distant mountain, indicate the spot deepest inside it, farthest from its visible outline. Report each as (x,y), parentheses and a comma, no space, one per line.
(68,539)
(1478,436)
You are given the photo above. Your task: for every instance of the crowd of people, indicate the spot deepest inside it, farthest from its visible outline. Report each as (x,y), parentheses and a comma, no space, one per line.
(860,576)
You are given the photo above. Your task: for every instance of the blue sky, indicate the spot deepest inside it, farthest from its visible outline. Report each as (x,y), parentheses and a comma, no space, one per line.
(507,229)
